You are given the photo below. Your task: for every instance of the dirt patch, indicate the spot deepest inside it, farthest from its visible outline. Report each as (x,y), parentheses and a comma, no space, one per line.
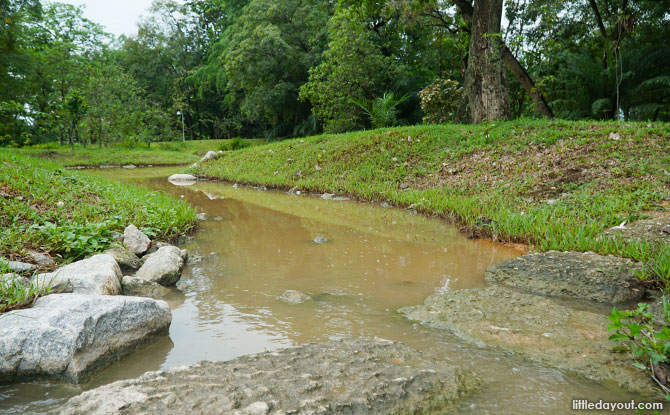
(547,171)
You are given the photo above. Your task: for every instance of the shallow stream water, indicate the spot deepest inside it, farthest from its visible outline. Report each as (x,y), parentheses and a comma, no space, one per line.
(257,244)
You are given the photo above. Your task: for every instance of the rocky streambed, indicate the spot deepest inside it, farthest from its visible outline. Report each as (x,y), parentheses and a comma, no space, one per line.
(521,313)
(545,309)
(348,376)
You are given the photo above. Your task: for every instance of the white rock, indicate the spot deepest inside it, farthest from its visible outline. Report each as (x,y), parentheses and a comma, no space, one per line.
(182,179)
(40,258)
(97,275)
(211,155)
(135,240)
(67,336)
(163,266)
(7,280)
(15,266)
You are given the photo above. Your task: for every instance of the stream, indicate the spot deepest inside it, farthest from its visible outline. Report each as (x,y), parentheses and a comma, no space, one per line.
(256,244)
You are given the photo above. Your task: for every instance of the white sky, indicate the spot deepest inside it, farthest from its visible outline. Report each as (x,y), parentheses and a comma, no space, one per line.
(117,16)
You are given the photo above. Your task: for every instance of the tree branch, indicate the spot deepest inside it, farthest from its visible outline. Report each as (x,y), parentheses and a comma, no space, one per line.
(599,19)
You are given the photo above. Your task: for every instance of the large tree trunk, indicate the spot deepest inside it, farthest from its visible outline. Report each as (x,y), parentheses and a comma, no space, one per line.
(540,103)
(486,91)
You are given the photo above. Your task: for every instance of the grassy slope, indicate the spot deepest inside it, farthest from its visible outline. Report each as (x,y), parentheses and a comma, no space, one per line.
(69,215)
(158,154)
(553,184)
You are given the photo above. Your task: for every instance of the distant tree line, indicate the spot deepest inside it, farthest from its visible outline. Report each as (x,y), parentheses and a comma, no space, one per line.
(286,68)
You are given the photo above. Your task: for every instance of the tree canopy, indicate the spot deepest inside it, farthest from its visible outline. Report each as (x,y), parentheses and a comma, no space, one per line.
(285,68)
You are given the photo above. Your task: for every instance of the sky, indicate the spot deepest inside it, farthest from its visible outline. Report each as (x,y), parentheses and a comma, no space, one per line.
(118,16)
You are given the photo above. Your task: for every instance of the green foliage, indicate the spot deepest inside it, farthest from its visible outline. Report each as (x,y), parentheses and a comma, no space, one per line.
(440,100)
(276,69)
(352,68)
(382,111)
(234,144)
(73,215)
(647,343)
(268,58)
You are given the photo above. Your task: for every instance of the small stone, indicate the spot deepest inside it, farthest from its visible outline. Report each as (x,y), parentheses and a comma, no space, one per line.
(16,266)
(116,236)
(218,218)
(294,297)
(138,287)
(163,266)
(211,155)
(155,246)
(127,260)
(327,196)
(183,179)
(320,239)
(385,205)
(60,204)
(665,229)
(135,240)
(7,280)
(201,216)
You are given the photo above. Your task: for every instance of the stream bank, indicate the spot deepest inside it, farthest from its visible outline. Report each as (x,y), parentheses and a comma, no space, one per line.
(376,259)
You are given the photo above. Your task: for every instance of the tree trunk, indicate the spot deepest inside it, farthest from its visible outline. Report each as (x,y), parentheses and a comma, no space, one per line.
(514,65)
(486,91)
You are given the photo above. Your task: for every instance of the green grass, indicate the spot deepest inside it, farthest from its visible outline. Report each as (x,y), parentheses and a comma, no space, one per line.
(551,184)
(70,215)
(168,153)
(17,292)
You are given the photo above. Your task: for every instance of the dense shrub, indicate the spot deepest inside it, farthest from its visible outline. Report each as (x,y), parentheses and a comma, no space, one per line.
(439,101)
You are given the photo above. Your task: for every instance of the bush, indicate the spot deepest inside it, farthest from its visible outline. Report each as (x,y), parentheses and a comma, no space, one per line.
(439,101)
(383,110)
(171,145)
(234,144)
(649,345)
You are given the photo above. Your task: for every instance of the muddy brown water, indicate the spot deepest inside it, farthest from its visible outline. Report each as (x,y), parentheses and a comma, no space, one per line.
(257,244)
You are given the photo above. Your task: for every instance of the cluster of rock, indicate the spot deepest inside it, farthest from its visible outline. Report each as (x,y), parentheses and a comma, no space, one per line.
(535,308)
(348,376)
(85,323)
